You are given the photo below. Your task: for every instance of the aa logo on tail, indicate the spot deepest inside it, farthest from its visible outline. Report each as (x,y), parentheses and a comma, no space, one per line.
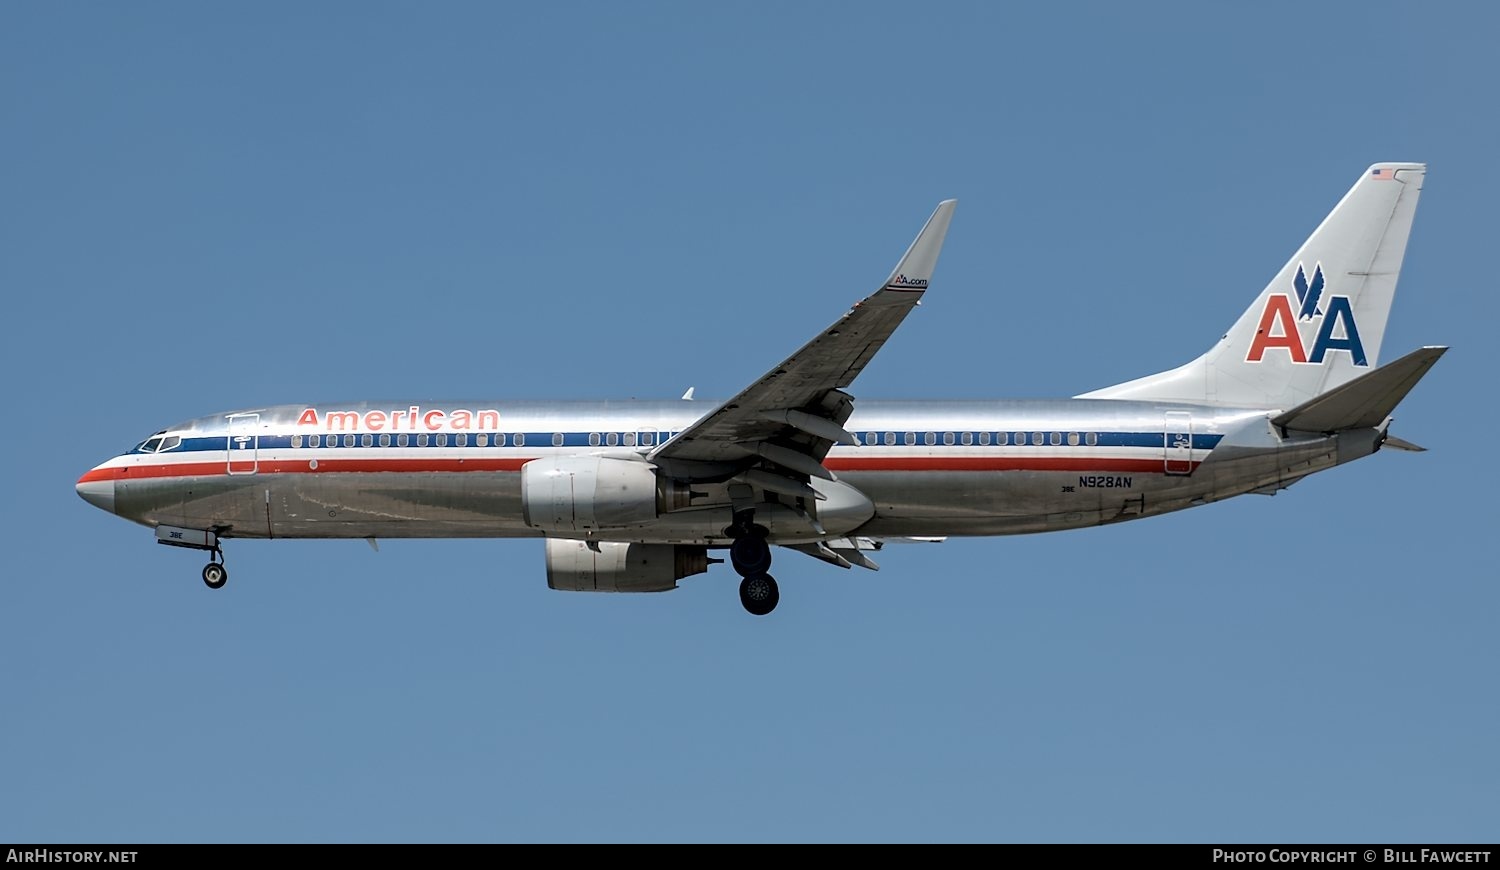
(1281,323)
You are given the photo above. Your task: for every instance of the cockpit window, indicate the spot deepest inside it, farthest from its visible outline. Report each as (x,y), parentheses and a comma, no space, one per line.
(159,443)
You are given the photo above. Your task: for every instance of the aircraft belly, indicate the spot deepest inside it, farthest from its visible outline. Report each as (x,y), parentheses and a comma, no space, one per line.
(1015,502)
(349,505)
(400,505)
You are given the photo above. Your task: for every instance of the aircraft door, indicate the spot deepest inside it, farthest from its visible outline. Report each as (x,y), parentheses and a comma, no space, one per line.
(244,443)
(1177,441)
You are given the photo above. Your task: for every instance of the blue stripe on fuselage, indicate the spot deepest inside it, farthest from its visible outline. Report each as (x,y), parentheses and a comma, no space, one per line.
(536,440)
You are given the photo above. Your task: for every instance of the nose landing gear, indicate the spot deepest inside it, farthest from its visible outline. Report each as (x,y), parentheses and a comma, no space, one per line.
(214,574)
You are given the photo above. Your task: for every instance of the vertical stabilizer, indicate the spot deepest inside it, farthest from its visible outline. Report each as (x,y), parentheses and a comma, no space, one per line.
(1320,321)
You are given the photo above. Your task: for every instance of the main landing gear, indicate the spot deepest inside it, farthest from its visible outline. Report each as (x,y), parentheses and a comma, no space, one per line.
(750,554)
(214,573)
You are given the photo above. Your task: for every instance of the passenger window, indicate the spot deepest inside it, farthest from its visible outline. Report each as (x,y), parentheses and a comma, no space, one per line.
(1002,438)
(348,440)
(442,439)
(911,438)
(1072,439)
(890,439)
(1056,439)
(948,438)
(648,439)
(984,439)
(628,439)
(1020,439)
(929,438)
(967,439)
(557,439)
(422,439)
(1092,438)
(296,440)
(481,440)
(461,439)
(520,439)
(366,440)
(1036,439)
(402,440)
(611,439)
(385,439)
(872,438)
(315,440)
(593,439)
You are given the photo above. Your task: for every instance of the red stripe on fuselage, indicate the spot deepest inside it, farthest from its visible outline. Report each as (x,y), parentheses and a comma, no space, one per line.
(991,463)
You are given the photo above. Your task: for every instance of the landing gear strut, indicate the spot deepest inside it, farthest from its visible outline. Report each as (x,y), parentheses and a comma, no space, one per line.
(750,555)
(214,573)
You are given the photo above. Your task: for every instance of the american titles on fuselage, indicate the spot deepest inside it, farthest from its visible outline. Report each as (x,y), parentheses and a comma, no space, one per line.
(412,418)
(1281,318)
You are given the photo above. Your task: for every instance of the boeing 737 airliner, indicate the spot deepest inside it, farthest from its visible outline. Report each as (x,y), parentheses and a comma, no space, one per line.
(633,496)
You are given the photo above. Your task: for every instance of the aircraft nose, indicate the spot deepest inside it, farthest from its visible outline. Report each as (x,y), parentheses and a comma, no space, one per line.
(97,491)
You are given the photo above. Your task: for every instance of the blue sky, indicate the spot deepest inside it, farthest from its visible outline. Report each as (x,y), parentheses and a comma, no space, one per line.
(206,207)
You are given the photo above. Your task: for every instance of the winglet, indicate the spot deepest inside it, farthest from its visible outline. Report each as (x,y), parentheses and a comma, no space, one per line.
(913,273)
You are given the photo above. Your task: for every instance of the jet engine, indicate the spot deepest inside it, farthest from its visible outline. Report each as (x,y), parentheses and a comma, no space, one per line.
(585,493)
(607,566)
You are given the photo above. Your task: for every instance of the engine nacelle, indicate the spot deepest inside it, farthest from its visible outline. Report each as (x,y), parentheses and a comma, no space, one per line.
(607,566)
(585,493)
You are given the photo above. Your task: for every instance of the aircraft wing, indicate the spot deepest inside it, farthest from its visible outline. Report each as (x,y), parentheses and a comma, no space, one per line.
(793,414)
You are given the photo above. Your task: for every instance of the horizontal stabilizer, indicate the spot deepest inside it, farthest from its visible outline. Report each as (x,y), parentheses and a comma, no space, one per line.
(1366,401)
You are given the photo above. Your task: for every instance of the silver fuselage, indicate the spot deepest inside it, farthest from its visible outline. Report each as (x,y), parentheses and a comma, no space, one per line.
(931,468)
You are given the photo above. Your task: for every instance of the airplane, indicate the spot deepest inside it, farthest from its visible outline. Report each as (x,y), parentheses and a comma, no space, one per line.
(634,496)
